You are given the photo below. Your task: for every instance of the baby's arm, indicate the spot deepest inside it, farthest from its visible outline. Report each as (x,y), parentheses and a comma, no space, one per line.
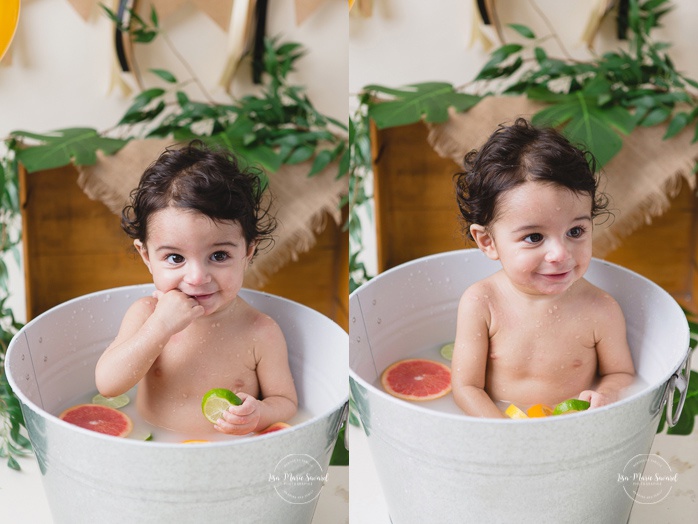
(615,364)
(279,400)
(470,353)
(145,329)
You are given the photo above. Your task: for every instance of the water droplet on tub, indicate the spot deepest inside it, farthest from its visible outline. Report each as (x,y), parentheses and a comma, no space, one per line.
(22,356)
(358,339)
(373,301)
(45,358)
(353,320)
(26,376)
(41,339)
(379,320)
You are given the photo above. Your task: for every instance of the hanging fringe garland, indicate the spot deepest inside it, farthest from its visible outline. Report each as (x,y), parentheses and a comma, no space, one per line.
(239,37)
(597,12)
(486,28)
(125,73)
(258,47)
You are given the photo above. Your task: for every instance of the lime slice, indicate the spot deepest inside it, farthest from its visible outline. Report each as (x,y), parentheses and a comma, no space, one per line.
(513,412)
(144,435)
(447,351)
(111,402)
(216,401)
(572,405)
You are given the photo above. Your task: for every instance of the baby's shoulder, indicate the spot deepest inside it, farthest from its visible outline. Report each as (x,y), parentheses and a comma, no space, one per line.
(486,288)
(143,307)
(260,323)
(480,295)
(599,301)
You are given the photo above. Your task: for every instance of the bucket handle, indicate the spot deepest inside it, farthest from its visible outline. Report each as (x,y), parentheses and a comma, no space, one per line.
(679,380)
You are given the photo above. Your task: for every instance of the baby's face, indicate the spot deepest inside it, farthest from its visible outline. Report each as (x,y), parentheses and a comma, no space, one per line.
(542,236)
(188,251)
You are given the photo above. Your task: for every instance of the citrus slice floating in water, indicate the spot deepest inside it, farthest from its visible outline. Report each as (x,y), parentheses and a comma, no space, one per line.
(447,351)
(276,426)
(572,405)
(216,401)
(514,412)
(101,419)
(112,402)
(539,410)
(417,379)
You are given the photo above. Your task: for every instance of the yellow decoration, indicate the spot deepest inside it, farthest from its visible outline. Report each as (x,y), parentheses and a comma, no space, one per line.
(514,412)
(9,16)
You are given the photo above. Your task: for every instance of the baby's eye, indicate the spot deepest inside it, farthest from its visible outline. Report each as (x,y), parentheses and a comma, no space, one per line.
(576,232)
(220,256)
(533,238)
(174,259)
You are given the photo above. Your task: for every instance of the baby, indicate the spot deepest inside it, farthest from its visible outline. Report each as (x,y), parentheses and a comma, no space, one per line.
(196,219)
(535,331)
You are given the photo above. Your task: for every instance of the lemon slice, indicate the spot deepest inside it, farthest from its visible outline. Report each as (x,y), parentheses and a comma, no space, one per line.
(216,401)
(572,405)
(513,412)
(111,402)
(447,351)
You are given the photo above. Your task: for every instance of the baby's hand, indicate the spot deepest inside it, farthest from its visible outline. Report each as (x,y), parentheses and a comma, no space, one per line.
(176,309)
(595,398)
(242,419)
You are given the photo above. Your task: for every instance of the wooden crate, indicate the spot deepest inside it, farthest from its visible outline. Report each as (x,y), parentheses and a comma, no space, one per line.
(74,245)
(417,215)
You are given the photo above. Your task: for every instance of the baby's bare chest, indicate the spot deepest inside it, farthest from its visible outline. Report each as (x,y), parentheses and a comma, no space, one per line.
(546,337)
(199,361)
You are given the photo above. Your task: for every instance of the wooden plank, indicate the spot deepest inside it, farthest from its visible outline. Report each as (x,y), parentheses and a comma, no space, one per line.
(74,245)
(665,250)
(416,211)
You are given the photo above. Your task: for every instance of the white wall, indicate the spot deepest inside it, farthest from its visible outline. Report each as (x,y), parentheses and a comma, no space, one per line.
(408,41)
(60,71)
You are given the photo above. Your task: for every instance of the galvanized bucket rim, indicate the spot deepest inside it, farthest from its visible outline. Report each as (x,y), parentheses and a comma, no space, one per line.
(650,389)
(150,444)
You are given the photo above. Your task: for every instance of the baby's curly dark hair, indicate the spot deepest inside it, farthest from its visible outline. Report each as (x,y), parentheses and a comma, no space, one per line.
(200,178)
(516,154)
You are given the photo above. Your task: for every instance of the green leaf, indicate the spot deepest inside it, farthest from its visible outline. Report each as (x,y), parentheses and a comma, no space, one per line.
(523,30)
(497,57)
(656,116)
(586,124)
(154,16)
(677,124)
(165,75)
(430,100)
(322,160)
(300,154)
(60,148)
(340,454)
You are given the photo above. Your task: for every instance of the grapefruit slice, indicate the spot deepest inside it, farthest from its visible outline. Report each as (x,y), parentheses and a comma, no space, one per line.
(417,379)
(101,419)
(276,426)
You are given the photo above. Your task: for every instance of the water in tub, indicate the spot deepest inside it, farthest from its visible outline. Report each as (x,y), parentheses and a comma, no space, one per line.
(143,430)
(447,404)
